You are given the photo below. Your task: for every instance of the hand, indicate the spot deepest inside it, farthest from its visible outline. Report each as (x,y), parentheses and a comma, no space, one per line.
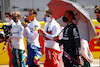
(89,60)
(98,42)
(55,38)
(4,48)
(41,32)
(24,25)
(80,60)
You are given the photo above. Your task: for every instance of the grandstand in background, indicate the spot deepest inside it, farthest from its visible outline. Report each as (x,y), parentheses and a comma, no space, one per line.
(40,6)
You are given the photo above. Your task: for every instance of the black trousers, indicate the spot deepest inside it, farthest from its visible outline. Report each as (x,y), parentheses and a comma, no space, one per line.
(69,63)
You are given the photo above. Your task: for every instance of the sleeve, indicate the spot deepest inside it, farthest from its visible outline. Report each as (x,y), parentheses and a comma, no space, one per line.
(20,35)
(55,32)
(37,26)
(77,40)
(45,27)
(13,24)
(61,33)
(33,34)
(85,52)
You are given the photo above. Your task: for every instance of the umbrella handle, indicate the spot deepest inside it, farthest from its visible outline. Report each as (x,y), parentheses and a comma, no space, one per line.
(72,57)
(60,32)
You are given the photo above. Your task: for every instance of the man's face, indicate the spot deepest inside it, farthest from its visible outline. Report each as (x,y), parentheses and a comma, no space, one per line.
(17,18)
(66,15)
(49,17)
(7,16)
(30,12)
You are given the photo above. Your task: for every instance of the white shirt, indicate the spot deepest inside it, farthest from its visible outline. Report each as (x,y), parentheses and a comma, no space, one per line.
(11,23)
(31,32)
(17,37)
(85,51)
(55,28)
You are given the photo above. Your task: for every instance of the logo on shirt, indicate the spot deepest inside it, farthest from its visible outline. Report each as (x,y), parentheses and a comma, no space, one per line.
(36,27)
(66,31)
(75,33)
(65,38)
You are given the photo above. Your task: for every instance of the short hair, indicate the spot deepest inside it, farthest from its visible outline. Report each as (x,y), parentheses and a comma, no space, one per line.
(8,13)
(18,13)
(97,9)
(34,11)
(71,14)
(48,11)
(31,10)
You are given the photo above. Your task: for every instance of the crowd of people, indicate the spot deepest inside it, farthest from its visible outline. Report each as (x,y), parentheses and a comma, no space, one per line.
(66,49)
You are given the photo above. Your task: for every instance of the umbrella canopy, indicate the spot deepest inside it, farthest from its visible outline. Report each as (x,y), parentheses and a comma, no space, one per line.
(58,7)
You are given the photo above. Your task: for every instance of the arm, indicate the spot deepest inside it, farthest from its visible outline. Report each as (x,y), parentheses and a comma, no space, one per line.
(33,34)
(85,52)
(77,44)
(77,40)
(30,34)
(55,32)
(54,37)
(90,56)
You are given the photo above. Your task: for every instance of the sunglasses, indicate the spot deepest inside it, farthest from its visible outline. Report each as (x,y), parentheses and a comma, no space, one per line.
(49,16)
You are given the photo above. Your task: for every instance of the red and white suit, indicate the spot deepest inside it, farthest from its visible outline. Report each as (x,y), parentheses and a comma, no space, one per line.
(52,50)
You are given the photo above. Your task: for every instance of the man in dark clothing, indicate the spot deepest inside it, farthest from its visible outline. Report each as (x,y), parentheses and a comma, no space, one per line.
(70,40)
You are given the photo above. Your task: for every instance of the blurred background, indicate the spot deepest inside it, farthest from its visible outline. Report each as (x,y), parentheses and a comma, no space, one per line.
(40,6)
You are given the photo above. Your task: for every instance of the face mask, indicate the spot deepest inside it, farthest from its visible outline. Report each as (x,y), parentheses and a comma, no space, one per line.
(7,19)
(48,19)
(98,19)
(64,19)
(14,18)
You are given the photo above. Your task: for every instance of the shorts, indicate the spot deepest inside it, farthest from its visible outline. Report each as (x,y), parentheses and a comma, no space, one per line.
(51,58)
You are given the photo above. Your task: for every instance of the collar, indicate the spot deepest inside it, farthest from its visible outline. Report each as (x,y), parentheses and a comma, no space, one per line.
(53,21)
(33,21)
(70,23)
(18,23)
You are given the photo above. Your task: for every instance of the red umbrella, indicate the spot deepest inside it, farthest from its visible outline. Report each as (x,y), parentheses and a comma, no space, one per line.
(58,7)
